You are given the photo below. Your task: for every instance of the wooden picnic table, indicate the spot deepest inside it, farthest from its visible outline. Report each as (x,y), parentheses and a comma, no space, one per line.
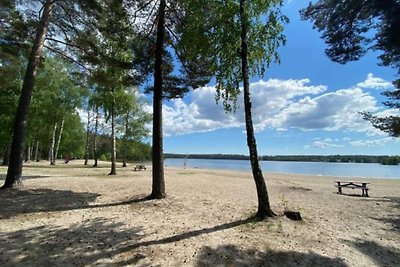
(139,167)
(353,185)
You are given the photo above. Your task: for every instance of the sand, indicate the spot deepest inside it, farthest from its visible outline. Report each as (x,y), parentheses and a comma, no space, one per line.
(72,215)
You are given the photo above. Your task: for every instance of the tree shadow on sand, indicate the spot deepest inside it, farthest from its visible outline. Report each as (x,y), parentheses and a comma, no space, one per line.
(194,233)
(16,202)
(393,219)
(91,242)
(381,255)
(230,255)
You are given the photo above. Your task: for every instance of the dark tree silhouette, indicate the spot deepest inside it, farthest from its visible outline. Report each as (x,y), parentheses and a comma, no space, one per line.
(352,28)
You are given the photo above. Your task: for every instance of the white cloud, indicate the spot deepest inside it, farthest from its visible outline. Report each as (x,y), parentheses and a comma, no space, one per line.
(374,83)
(331,111)
(325,143)
(370,143)
(202,115)
(277,104)
(269,99)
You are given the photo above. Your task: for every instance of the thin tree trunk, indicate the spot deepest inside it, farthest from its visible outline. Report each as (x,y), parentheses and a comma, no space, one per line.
(59,139)
(14,172)
(264,209)
(87,138)
(28,153)
(125,142)
(113,143)
(6,157)
(36,151)
(95,137)
(53,142)
(158,186)
(31,151)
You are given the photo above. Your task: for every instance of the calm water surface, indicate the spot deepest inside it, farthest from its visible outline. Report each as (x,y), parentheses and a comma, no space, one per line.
(370,170)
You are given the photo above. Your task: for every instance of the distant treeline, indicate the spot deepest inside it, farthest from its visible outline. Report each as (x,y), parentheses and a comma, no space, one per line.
(385,160)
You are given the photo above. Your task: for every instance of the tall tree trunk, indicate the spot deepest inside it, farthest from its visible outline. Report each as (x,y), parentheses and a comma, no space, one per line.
(264,209)
(28,153)
(6,157)
(36,151)
(59,139)
(31,151)
(113,143)
(158,186)
(14,172)
(125,141)
(53,142)
(87,138)
(95,137)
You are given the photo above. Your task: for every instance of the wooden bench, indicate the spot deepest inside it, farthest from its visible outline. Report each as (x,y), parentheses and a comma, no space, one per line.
(139,168)
(353,185)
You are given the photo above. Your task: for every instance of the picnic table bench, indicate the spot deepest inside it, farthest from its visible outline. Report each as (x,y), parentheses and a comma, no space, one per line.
(353,185)
(139,168)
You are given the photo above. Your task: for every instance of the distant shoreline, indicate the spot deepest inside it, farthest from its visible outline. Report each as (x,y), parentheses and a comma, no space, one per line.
(382,159)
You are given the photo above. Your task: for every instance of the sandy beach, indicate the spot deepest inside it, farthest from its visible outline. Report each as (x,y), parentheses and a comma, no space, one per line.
(73,215)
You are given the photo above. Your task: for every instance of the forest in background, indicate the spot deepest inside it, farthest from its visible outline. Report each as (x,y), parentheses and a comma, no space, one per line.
(385,160)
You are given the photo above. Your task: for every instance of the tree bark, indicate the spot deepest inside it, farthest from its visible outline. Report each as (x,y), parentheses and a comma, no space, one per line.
(36,151)
(14,172)
(95,137)
(158,186)
(113,143)
(87,138)
(125,141)
(28,153)
(53,142)
(59,139)
(264,209)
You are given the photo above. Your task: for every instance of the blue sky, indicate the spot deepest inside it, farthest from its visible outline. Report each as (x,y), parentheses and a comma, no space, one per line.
(305,105)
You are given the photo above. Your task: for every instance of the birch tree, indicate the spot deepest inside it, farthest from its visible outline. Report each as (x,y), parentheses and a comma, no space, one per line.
(241,37)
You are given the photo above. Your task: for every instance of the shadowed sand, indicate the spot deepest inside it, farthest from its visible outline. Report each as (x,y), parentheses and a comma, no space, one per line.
(72,215)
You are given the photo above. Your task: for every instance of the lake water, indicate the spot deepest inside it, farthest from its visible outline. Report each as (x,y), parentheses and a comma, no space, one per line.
(367,170)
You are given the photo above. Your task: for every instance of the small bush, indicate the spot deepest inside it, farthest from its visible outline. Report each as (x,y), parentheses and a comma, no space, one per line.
(103,157)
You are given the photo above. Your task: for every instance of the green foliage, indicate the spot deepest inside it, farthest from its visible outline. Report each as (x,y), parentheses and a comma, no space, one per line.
(135,150)
(73,138)
(213,29)
(132,117)
(393,160)
(14,32)
(179,72)
(284,201)
(56,97)
(12,67)
(10,87)
(347,28)
(389,124)
(104,157)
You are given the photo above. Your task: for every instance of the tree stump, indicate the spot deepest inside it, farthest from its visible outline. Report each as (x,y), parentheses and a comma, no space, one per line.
(293,215)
